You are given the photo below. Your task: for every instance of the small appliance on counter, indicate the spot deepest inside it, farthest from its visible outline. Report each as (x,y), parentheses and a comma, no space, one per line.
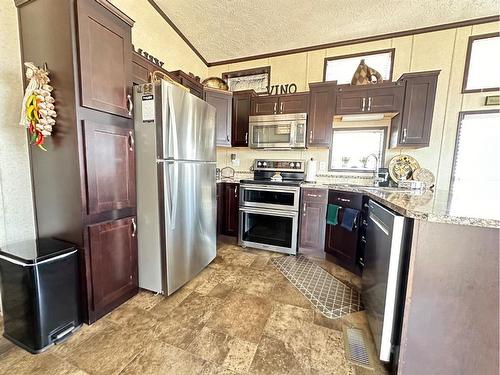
(39,283)
(269,206)
(311,170)
(383,177)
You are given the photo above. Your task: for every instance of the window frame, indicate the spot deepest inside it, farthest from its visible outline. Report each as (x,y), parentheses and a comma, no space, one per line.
(350,170)
(359,54)
(461,116)
(467,63)
(250,72)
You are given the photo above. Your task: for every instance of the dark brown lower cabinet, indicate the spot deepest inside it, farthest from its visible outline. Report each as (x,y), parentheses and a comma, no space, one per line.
(113,264)
(341,245)
(313,221)
(227,208)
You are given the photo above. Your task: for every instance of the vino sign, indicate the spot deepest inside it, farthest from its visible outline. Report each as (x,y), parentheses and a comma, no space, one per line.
(289,88)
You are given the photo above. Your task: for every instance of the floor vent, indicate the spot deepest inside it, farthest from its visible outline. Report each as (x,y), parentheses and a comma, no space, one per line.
(329,295)
(355,348)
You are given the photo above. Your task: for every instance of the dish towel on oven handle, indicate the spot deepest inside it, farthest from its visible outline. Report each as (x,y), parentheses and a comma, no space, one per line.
(349,219)
(332,214)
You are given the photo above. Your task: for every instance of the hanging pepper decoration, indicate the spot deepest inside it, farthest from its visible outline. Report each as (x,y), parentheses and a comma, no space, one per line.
(38,110)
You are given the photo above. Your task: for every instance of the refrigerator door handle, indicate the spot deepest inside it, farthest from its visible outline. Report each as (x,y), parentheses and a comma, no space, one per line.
(172,191)
(172,131)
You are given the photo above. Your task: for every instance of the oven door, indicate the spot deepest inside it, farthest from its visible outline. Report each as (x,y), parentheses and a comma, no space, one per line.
(270,196)
(268,229)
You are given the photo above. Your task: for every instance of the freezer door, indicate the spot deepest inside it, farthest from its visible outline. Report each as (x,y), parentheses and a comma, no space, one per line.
(188,126)
(189,220)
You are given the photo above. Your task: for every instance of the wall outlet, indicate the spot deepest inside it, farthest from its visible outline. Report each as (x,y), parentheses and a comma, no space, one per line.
(235,162)
(322,166)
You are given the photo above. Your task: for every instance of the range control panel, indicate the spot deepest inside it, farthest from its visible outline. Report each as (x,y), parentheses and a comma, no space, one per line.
(279,165)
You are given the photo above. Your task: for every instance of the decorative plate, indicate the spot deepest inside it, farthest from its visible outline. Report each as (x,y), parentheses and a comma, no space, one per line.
(401,167)
(424,175)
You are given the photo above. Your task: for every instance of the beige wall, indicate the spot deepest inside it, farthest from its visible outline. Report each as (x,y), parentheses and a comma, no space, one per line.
(444,50)
(150,33)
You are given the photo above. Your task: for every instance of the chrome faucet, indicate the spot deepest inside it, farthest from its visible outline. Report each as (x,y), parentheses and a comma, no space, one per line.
(376,178)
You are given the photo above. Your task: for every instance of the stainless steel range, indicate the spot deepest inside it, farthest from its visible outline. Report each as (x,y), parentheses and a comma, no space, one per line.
(269,206)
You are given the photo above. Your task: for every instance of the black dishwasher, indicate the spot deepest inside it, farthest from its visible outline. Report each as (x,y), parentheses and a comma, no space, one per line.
(39,283)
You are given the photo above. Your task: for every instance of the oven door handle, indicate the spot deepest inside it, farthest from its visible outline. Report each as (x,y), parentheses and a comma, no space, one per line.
(284,189)
(266,211)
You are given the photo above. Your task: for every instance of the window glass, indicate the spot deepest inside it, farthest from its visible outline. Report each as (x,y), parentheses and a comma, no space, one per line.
(476,172)
(483,62)
(342,69)
(355,149)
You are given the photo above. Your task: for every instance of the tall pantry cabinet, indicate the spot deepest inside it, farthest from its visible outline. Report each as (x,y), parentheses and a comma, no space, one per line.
(84,185)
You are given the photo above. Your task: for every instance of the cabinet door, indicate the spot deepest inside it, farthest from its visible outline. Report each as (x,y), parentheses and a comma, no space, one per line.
(231,205)
(382,100)
(321,111)
(110,166)
(296,103)
(351,102)
(220,206)
(194,88)
(113,262)
(105,56)
(241,111)
(223,103)
(313,221)
(264,105)
(416,122)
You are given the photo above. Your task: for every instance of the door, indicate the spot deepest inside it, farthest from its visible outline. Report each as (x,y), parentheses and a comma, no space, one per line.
(105,56)
(140,70)
(264,105)
(113,258)
(188,125)
(321,111)
(294,103)
(241,111)
(269,196)
(351,102)
(389,99)
(313,221)
(223,103)
(231,204)
(416,122)
(110,166)
(190,217)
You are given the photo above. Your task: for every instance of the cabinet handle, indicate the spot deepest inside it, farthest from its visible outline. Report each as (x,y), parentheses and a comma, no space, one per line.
(236,191)
(304,209)
(369,103)
(275,106)
(281,107)
(310,136)
(130,105)
(134,227)
(363,105)
(404,134)
(131,141)
(246,138)
(312,195)
(343,200)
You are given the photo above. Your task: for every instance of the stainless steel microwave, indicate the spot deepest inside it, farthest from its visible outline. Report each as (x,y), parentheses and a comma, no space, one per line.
(278,131)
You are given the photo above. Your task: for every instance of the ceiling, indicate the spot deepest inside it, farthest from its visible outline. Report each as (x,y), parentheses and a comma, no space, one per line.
(230,29)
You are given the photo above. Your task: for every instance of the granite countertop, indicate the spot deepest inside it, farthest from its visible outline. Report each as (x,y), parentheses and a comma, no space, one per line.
(440,206)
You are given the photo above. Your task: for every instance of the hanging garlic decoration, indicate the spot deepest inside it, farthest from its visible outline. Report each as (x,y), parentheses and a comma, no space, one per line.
(38,110)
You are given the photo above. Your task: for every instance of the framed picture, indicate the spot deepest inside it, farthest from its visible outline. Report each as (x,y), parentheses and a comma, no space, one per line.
(257,79)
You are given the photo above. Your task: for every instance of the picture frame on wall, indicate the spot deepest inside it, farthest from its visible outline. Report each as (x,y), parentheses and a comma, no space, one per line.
(257,79)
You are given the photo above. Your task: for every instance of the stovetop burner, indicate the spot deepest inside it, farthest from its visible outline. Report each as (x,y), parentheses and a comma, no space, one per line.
(271,182)
(291,171)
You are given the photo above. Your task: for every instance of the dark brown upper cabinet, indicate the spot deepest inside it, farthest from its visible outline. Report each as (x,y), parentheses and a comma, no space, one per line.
(194,86)
(241,111)
(280,104)
(105,59)
(223,103)
(321,112)
(412,127)
(110,165)
(113,263)
(313,221)
(369,99)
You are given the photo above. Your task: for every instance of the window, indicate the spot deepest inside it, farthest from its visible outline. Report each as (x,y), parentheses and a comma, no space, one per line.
(354,149)
(257,79)
(483,57)
(342,68)
(475,181)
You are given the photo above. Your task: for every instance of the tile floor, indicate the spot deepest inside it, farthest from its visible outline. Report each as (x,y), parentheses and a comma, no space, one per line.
(239,316)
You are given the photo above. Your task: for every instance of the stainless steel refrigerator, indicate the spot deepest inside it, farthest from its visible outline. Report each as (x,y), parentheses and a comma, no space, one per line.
(176,204)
